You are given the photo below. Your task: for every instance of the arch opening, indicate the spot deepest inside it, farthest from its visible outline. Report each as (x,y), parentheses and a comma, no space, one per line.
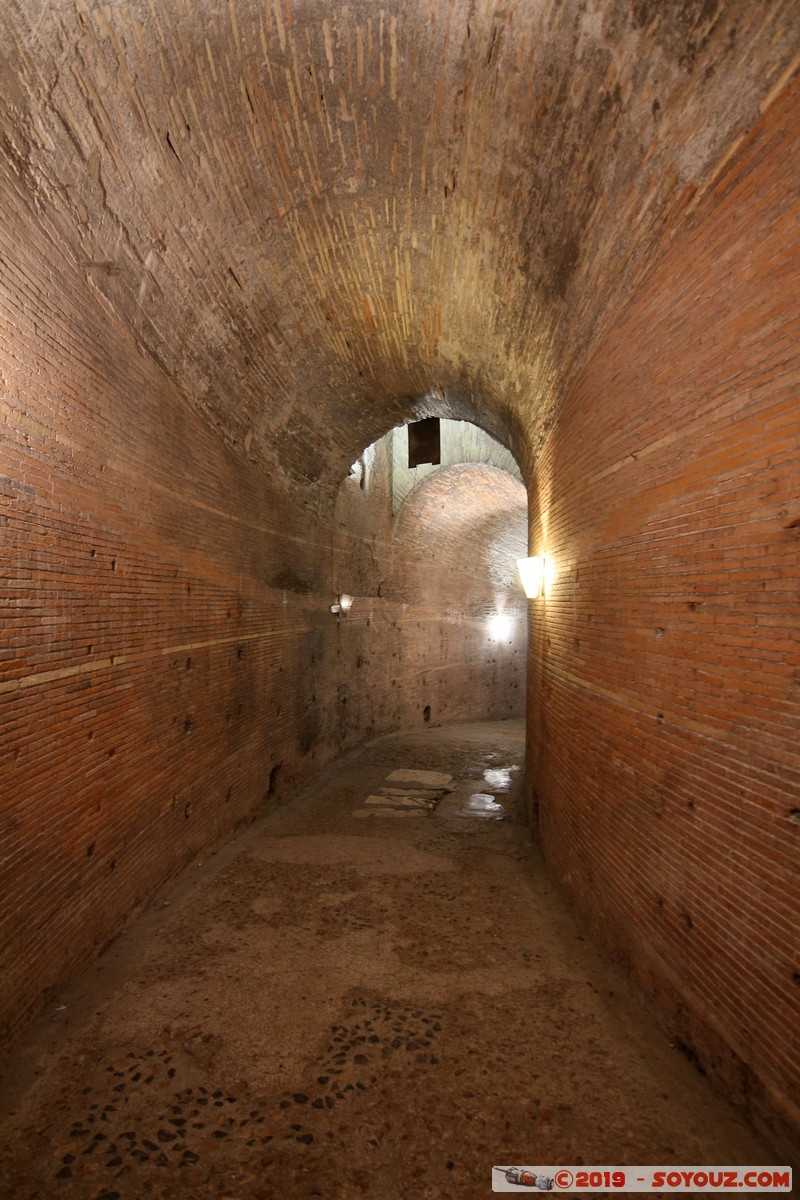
(440,616)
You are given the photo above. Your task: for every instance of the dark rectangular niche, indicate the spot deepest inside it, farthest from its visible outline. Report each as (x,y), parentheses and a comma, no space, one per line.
(424,443)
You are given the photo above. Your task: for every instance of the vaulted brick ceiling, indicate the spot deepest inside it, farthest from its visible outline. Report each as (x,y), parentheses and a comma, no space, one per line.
(471,517)
(324,217)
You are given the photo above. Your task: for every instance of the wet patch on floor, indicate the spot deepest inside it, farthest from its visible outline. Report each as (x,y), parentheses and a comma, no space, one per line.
(482,806)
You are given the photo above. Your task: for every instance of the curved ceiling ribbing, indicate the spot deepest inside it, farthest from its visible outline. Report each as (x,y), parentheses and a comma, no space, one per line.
(324,217)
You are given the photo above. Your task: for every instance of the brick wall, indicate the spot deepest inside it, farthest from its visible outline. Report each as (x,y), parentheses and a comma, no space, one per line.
(456,542)
(168,663)
(664,664)
(418,645)
(153,682)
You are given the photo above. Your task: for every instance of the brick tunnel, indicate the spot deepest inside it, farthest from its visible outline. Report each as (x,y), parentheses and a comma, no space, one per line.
(245,248)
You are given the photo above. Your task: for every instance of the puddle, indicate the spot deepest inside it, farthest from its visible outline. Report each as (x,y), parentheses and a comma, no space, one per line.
(498,780)
(483,806)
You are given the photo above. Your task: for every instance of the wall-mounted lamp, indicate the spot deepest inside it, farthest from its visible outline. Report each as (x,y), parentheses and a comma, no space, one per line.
(532,573)
(343,605)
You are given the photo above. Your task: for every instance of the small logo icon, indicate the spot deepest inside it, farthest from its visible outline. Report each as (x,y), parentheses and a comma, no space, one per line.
(523,1177)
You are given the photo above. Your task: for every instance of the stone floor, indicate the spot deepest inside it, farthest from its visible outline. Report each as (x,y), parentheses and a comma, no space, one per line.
(342,1006)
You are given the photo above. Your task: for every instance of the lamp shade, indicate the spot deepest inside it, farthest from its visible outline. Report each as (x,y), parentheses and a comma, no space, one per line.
(531,572)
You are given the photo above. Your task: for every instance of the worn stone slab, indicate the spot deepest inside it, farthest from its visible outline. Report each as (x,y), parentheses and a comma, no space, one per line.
(389,812)
(427,793)
(398,802)
(425,779)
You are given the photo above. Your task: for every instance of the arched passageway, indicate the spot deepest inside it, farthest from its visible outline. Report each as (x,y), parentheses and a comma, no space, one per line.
(427,581)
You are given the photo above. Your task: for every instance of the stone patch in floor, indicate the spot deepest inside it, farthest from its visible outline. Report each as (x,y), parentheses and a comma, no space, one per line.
(145,1118)
(391,806)
(370,855)
(407,793)
(425,779)
(147,1125)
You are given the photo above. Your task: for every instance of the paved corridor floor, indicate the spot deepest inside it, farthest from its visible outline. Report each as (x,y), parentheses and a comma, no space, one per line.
(341,1006)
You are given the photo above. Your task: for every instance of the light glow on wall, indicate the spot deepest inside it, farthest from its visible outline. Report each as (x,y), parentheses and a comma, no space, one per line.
(549,574)
(500,627)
